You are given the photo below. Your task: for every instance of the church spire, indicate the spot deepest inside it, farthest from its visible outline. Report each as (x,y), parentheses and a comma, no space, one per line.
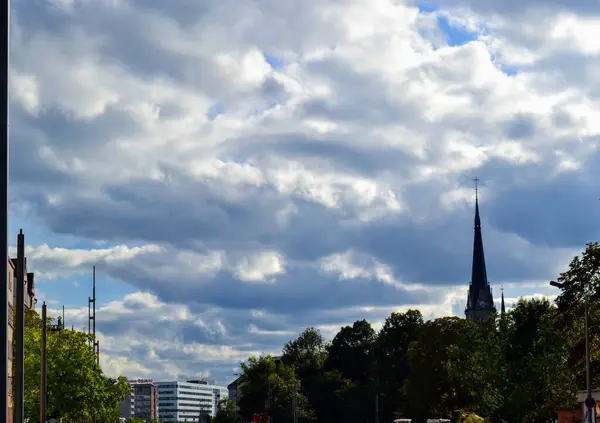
(502,307)
(478,271)
(480,301)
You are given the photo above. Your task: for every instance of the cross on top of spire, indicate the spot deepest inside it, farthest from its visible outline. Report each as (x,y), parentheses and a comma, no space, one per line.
(476,180)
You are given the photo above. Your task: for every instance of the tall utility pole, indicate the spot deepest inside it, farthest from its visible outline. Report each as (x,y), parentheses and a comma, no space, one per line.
(96,342)
(43,380)
(4,344)
(295,403)
(92,320)
(92,316)
(19,393)
(44,360)
(588,378)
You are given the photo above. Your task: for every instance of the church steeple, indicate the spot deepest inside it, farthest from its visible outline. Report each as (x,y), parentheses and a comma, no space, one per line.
(480,302)
(502,307)
(478,272)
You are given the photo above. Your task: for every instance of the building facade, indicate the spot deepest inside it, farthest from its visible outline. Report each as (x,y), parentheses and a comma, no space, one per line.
(142,402)
(29,302)
(233,390)
(126,407)
(145,400)
(189,401)
(480,299)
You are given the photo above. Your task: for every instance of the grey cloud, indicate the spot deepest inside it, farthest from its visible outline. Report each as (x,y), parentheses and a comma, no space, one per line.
(554,214)
(520,127)
(514,7)
(301,290)
(348,156)
(72,137)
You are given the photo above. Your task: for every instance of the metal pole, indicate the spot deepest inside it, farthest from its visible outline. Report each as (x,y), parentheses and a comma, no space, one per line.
(94,299)
(588,376)
(295,404)
(18,416)
(43,385)
(4,182)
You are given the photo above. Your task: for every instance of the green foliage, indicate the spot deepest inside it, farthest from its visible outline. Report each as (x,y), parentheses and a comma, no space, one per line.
(226,412)
(452,366)
(581,283)
(391,359)
(267,386)
(76,387)
(538,379)
(307,354)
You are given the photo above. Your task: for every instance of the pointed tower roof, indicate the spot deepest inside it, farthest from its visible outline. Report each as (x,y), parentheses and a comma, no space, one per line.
(502,307)
(478,272)
(480,300)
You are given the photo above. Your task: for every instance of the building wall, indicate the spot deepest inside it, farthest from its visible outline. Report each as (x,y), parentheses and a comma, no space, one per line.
(478,315)
(11,315)
(29,302)
(126,407)
(145,401)
(185,401)
(233,390)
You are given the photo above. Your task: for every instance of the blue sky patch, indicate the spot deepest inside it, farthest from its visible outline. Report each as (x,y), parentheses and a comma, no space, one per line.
(214,111)
(427,7)
(274,61)
(509,70)
(456,36)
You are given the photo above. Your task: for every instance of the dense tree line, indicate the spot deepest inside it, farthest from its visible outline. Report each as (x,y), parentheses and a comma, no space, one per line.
(77,389)
(519,367)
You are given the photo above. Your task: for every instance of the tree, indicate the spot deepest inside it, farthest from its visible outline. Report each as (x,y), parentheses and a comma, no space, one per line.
(351,351)
(308,348)
(270,387)
(226,412)
(76,387)
(307,354)
(452,366)
(351,367)
(391,359)
(538,379)
(581,283)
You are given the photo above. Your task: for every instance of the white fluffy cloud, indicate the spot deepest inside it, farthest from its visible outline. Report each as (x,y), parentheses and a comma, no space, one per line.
(252,169)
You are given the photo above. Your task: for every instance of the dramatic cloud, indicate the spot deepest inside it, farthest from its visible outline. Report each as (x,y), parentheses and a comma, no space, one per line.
(239,171)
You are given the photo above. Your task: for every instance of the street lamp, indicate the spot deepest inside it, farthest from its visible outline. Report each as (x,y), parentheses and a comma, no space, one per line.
(43,378)
(589,401)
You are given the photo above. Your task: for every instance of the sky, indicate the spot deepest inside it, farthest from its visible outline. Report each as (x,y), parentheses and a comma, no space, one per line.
(238,171)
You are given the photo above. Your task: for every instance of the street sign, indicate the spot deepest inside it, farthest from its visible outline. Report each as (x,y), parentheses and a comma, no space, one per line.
(590,402)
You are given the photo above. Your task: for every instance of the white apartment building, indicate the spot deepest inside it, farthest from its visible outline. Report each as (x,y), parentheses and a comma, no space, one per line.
(188,401)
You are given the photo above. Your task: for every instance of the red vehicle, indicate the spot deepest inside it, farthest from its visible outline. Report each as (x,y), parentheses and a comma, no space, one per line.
(261,418)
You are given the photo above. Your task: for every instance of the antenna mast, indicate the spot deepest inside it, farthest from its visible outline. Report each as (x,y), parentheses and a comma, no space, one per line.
(92,317)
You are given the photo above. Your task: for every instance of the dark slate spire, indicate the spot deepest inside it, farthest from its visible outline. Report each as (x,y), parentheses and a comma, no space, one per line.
(480,300)
(478,272)
(502,307)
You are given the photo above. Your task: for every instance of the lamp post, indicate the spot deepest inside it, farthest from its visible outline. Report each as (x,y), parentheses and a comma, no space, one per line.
(44,360)
(589,401)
